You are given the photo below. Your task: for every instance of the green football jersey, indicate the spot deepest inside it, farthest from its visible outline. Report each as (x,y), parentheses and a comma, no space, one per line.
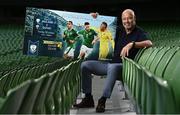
(88,37)
(70,35)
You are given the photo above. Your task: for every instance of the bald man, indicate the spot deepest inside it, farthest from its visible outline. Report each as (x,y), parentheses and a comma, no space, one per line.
(129,39)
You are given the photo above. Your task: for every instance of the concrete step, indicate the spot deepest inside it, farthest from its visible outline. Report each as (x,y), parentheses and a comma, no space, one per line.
(117,104)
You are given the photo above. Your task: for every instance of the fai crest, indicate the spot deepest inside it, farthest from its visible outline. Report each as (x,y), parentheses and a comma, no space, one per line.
(33,47)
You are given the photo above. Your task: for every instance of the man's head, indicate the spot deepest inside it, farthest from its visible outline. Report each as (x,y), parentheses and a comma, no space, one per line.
(87,26)
(128,19)
(103,26)
(69,24)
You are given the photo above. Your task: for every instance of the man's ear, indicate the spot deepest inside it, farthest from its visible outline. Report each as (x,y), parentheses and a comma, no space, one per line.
(134,18)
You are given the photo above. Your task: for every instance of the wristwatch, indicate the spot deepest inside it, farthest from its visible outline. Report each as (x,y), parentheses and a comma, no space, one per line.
(133,44)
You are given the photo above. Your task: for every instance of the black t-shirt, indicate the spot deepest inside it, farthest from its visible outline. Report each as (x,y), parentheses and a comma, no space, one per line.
(122,39)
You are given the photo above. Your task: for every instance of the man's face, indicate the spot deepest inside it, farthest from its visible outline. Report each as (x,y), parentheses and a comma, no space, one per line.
(128,20)
(87,27)
(103,27)
(69,25)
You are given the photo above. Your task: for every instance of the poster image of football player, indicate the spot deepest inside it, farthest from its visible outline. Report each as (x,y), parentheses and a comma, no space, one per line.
(70,35)
(89,38)
(106,40)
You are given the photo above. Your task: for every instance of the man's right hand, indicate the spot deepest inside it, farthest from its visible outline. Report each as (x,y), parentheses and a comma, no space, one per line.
(125,50)
(94,14)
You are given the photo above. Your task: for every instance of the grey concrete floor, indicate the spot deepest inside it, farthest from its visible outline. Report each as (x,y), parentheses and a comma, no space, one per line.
(117,104)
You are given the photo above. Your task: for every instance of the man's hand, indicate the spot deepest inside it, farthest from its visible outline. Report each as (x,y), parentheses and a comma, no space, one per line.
(71,41)
(94,14)
(93,42)
(125,50)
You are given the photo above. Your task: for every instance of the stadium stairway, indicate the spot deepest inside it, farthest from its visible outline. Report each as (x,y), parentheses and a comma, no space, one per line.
(117,104)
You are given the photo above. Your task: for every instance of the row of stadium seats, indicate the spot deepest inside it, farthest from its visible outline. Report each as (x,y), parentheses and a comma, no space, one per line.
(151,94)
(13,78)
(163,34)
(26,82)
(163,63)
(52,93)
(17,60)
(11,38)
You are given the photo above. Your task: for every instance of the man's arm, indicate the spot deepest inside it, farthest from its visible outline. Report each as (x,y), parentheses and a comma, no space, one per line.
(142,44)
(96,38)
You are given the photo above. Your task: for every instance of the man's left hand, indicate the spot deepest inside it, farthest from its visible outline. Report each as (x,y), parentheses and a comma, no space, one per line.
(125,50)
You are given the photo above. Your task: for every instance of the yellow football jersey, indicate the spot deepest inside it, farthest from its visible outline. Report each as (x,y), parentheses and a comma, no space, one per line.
(105,39)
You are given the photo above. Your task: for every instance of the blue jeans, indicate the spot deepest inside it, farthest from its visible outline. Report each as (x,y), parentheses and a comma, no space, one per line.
(112,70)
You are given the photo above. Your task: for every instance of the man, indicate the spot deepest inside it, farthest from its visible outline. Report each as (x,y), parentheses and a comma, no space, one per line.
(105,37)
(89,38)
(70,36)
(129,40)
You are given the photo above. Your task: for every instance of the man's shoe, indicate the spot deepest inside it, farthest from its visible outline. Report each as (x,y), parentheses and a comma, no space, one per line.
(101,106)
(86,102)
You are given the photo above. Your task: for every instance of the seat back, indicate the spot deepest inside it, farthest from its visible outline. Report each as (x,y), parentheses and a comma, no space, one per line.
(30,97)
(14,99)
(171,74)
(39,106)
(145,55)
(158,58)
(159,71)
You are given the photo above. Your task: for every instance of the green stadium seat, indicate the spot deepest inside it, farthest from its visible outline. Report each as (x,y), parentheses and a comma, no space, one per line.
(49,101)
(10,81)
(135,74)
(66,89)
(127,77)
(77,79)
(145,55)
(165,101)
(157,59)
(2,84)
(40,70)
(132,78)
(139,85)
(24,75)
(30,97)
(152,56)
(58,93)
(139,54)
(72,81)
(31,73)
(1,74)
(164,61)
(39,107)
(15,96)
(151,93)
(171,74)
(17,77)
